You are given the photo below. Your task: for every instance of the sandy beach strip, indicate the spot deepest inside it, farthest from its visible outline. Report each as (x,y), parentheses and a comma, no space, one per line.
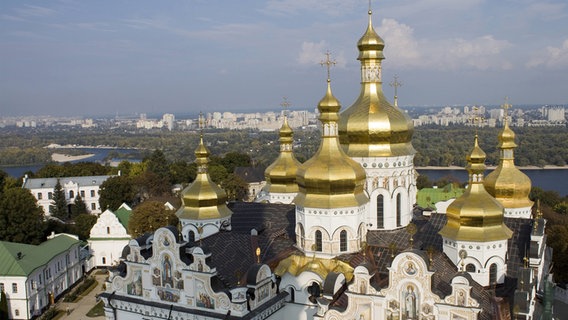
(60,157)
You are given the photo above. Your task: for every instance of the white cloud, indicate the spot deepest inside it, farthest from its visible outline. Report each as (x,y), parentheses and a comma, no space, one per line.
(313,53)
(552,57)
(34,11)
(404,50)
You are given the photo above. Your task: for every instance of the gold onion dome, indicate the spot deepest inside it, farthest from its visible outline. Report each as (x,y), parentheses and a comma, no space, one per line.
(372,127)
(507,183)
(203,199)
(476,215)
(330,179)
(281,174)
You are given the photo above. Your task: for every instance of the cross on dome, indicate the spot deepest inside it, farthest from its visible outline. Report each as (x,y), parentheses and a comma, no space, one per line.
(328,63)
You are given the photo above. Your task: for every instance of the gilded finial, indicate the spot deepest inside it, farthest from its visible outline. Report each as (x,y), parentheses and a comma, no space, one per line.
(476,119)
(285,105)
(257,254)
(395,84)
(506,106)
(370,11)
(201,123)
(328,63)
(538,211)
(463,255)
(411,229)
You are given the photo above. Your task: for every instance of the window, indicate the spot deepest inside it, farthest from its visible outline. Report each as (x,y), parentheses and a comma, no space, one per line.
(493,274)
(302,237)
(82,194)
(17,312)
(14,288)
(1,287)
(318,241)
(108,230)
(343,240)
(380,211)
(39,196)
(470,267)
(93,193)
(104,260)
(71,194)
(50,195)
(398,211)
(93,206)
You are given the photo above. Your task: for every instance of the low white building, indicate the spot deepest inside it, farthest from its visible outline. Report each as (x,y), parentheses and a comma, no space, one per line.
(109,236)
(87,187)
(33,276)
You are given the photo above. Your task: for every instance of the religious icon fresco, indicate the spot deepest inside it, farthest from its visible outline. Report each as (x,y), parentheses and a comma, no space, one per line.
(135,287)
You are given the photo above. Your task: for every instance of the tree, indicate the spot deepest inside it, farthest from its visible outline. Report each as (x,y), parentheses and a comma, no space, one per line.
(231,160)
(149,185)
(59,207)
(3,306)
(21,220)
(158,164)
(116,191)
(235,188)
(79,207)
(83,225)
(149,216)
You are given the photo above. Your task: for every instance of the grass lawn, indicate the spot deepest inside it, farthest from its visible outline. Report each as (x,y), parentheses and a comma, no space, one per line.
(97,310)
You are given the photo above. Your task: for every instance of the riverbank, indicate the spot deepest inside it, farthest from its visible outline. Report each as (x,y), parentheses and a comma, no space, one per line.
(60,157)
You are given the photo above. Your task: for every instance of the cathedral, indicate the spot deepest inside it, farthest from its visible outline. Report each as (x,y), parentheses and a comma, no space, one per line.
(339,237)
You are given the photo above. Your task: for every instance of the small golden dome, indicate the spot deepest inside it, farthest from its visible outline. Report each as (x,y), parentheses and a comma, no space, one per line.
(281,174)
(372,127)
(330,179)
(507,183)
(476,215)
(203,199)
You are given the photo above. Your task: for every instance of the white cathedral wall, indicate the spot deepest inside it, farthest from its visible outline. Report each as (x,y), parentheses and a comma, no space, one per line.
(284,198)
(482,255)
(330,222)
(390,176)
(525,212)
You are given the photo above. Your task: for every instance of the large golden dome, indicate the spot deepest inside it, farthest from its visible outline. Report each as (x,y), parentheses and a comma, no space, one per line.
(330,179)
(203,199)
(506,183)
(281,174)
(372,127)
(476,215)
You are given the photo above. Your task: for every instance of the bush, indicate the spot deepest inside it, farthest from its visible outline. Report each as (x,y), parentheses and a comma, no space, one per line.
(51,313)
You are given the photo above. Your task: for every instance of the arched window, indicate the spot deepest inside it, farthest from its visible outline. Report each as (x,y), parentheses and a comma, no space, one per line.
(302,237)
(343,240)
(104,260)
(493,274)
(292,294)
(191,236)
(108,230)
(380,211)
(398,211)
(470,267)
(318,241)
(71,194)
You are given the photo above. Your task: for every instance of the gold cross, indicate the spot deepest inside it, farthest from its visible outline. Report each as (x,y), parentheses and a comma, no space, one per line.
(506,106)
(395,84)
(285,105)
(476,119)
(328,63)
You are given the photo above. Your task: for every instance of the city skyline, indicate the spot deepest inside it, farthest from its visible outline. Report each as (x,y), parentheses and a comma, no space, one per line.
(75,58)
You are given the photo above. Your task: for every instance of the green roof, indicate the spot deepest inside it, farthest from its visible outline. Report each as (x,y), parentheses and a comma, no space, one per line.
(31,256)
(123,215)
(428,197)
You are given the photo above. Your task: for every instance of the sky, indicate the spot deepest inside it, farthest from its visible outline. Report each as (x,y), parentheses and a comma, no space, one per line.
(121,57)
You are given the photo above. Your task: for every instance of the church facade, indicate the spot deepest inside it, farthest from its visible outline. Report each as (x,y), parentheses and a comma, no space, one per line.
(339,237)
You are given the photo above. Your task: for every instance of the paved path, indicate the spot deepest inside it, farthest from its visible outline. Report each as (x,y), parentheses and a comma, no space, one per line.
(78,310)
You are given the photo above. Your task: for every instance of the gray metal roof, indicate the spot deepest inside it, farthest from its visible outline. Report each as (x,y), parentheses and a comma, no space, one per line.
(39,183)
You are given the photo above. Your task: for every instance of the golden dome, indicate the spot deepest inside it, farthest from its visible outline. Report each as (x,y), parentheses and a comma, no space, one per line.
(476,215)
(330,179)
(506,183)
(296,264)
(372,127)
(203,199)
(281,174)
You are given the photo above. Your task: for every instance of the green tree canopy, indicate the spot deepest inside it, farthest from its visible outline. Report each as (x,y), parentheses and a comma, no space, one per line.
(21,220)
(116,191)
(59,207)
(83,225)
(3,306)
(149,216)
(79,207)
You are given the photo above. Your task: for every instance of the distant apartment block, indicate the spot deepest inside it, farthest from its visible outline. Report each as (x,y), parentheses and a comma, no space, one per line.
(87,187)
